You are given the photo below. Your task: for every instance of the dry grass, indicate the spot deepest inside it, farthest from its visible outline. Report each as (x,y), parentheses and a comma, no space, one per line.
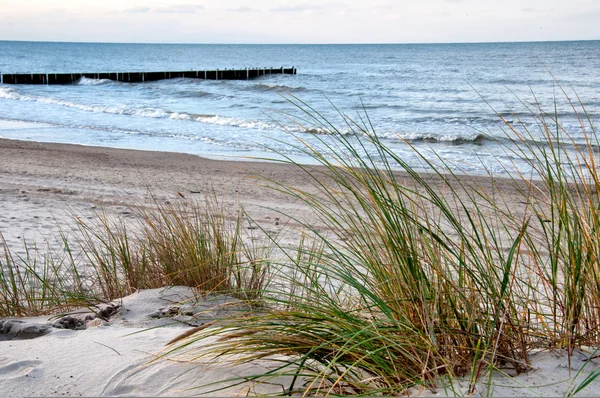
(178,243)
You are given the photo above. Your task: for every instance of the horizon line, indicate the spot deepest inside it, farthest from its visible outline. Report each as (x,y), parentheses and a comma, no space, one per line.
(302,44)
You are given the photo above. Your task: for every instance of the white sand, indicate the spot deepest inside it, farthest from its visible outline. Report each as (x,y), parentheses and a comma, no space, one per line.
(116,358)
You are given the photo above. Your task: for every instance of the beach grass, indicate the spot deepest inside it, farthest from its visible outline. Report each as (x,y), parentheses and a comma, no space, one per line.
(39,282)
(174,243)
(415,283)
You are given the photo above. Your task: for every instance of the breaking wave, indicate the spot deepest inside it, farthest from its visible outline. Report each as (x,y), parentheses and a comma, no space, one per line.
(84,81)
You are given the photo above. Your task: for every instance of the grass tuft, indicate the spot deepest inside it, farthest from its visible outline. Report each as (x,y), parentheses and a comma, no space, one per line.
(428,275)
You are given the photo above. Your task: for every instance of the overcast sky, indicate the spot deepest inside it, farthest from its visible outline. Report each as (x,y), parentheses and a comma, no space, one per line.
(308,21)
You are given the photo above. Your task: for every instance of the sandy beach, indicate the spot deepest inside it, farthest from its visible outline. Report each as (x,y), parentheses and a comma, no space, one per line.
(42,186)
(42,183)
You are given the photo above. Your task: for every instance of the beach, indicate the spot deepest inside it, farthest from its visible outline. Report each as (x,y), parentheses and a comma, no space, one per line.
(41,180)
(44,181)
(44,185)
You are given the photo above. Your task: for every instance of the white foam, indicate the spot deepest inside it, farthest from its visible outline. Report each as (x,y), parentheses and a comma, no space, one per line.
(449,138)
(237,122)
(9,93)
(180,116)
(84,81)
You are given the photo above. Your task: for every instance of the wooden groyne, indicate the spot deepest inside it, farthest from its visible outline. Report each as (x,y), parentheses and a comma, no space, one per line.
(140,77)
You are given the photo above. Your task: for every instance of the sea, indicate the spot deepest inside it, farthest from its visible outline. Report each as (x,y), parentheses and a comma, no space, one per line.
(449,103)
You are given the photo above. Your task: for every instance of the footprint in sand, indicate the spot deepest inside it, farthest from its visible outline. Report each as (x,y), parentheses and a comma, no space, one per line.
(14,369)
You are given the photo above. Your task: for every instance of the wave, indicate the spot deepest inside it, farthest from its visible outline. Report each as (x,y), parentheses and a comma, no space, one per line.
(9,93)
(236,122)
(84,81)
(261,125)
(198,94)
(277,87)
(167,85)
(273,125)
(456,139)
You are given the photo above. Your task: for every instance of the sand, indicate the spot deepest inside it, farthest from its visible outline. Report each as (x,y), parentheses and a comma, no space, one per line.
(114,358)
(41,184)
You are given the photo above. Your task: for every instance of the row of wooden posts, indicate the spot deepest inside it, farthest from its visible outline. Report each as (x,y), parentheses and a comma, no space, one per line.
(139,77)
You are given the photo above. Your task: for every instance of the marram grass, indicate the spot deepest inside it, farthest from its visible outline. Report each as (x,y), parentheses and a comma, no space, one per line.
(39,282)
(105,258)
(418,281)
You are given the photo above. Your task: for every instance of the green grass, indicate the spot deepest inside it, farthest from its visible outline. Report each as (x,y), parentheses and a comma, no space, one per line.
(419,281)
(38,282)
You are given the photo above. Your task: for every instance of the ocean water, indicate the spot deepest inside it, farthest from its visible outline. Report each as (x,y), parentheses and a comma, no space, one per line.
(440,98)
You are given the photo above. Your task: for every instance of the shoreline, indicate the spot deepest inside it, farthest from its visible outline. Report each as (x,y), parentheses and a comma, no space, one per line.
(40,182)
(309,162)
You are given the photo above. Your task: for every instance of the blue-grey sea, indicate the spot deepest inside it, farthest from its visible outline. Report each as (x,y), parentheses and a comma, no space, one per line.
(440,98)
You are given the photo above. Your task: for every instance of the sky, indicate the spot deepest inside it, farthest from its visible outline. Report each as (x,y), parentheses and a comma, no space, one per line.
(308,21)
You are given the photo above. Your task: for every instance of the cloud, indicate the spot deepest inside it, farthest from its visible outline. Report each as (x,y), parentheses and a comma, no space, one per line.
(180,9)
(242,9)
(173,9)
(138,10)
(298,8)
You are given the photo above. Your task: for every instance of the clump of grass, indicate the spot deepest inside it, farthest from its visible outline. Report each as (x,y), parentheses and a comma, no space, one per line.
(116,258)
(174,243)
(37,282)
(107,257)
(194,247)
(420,280)
(565,246)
